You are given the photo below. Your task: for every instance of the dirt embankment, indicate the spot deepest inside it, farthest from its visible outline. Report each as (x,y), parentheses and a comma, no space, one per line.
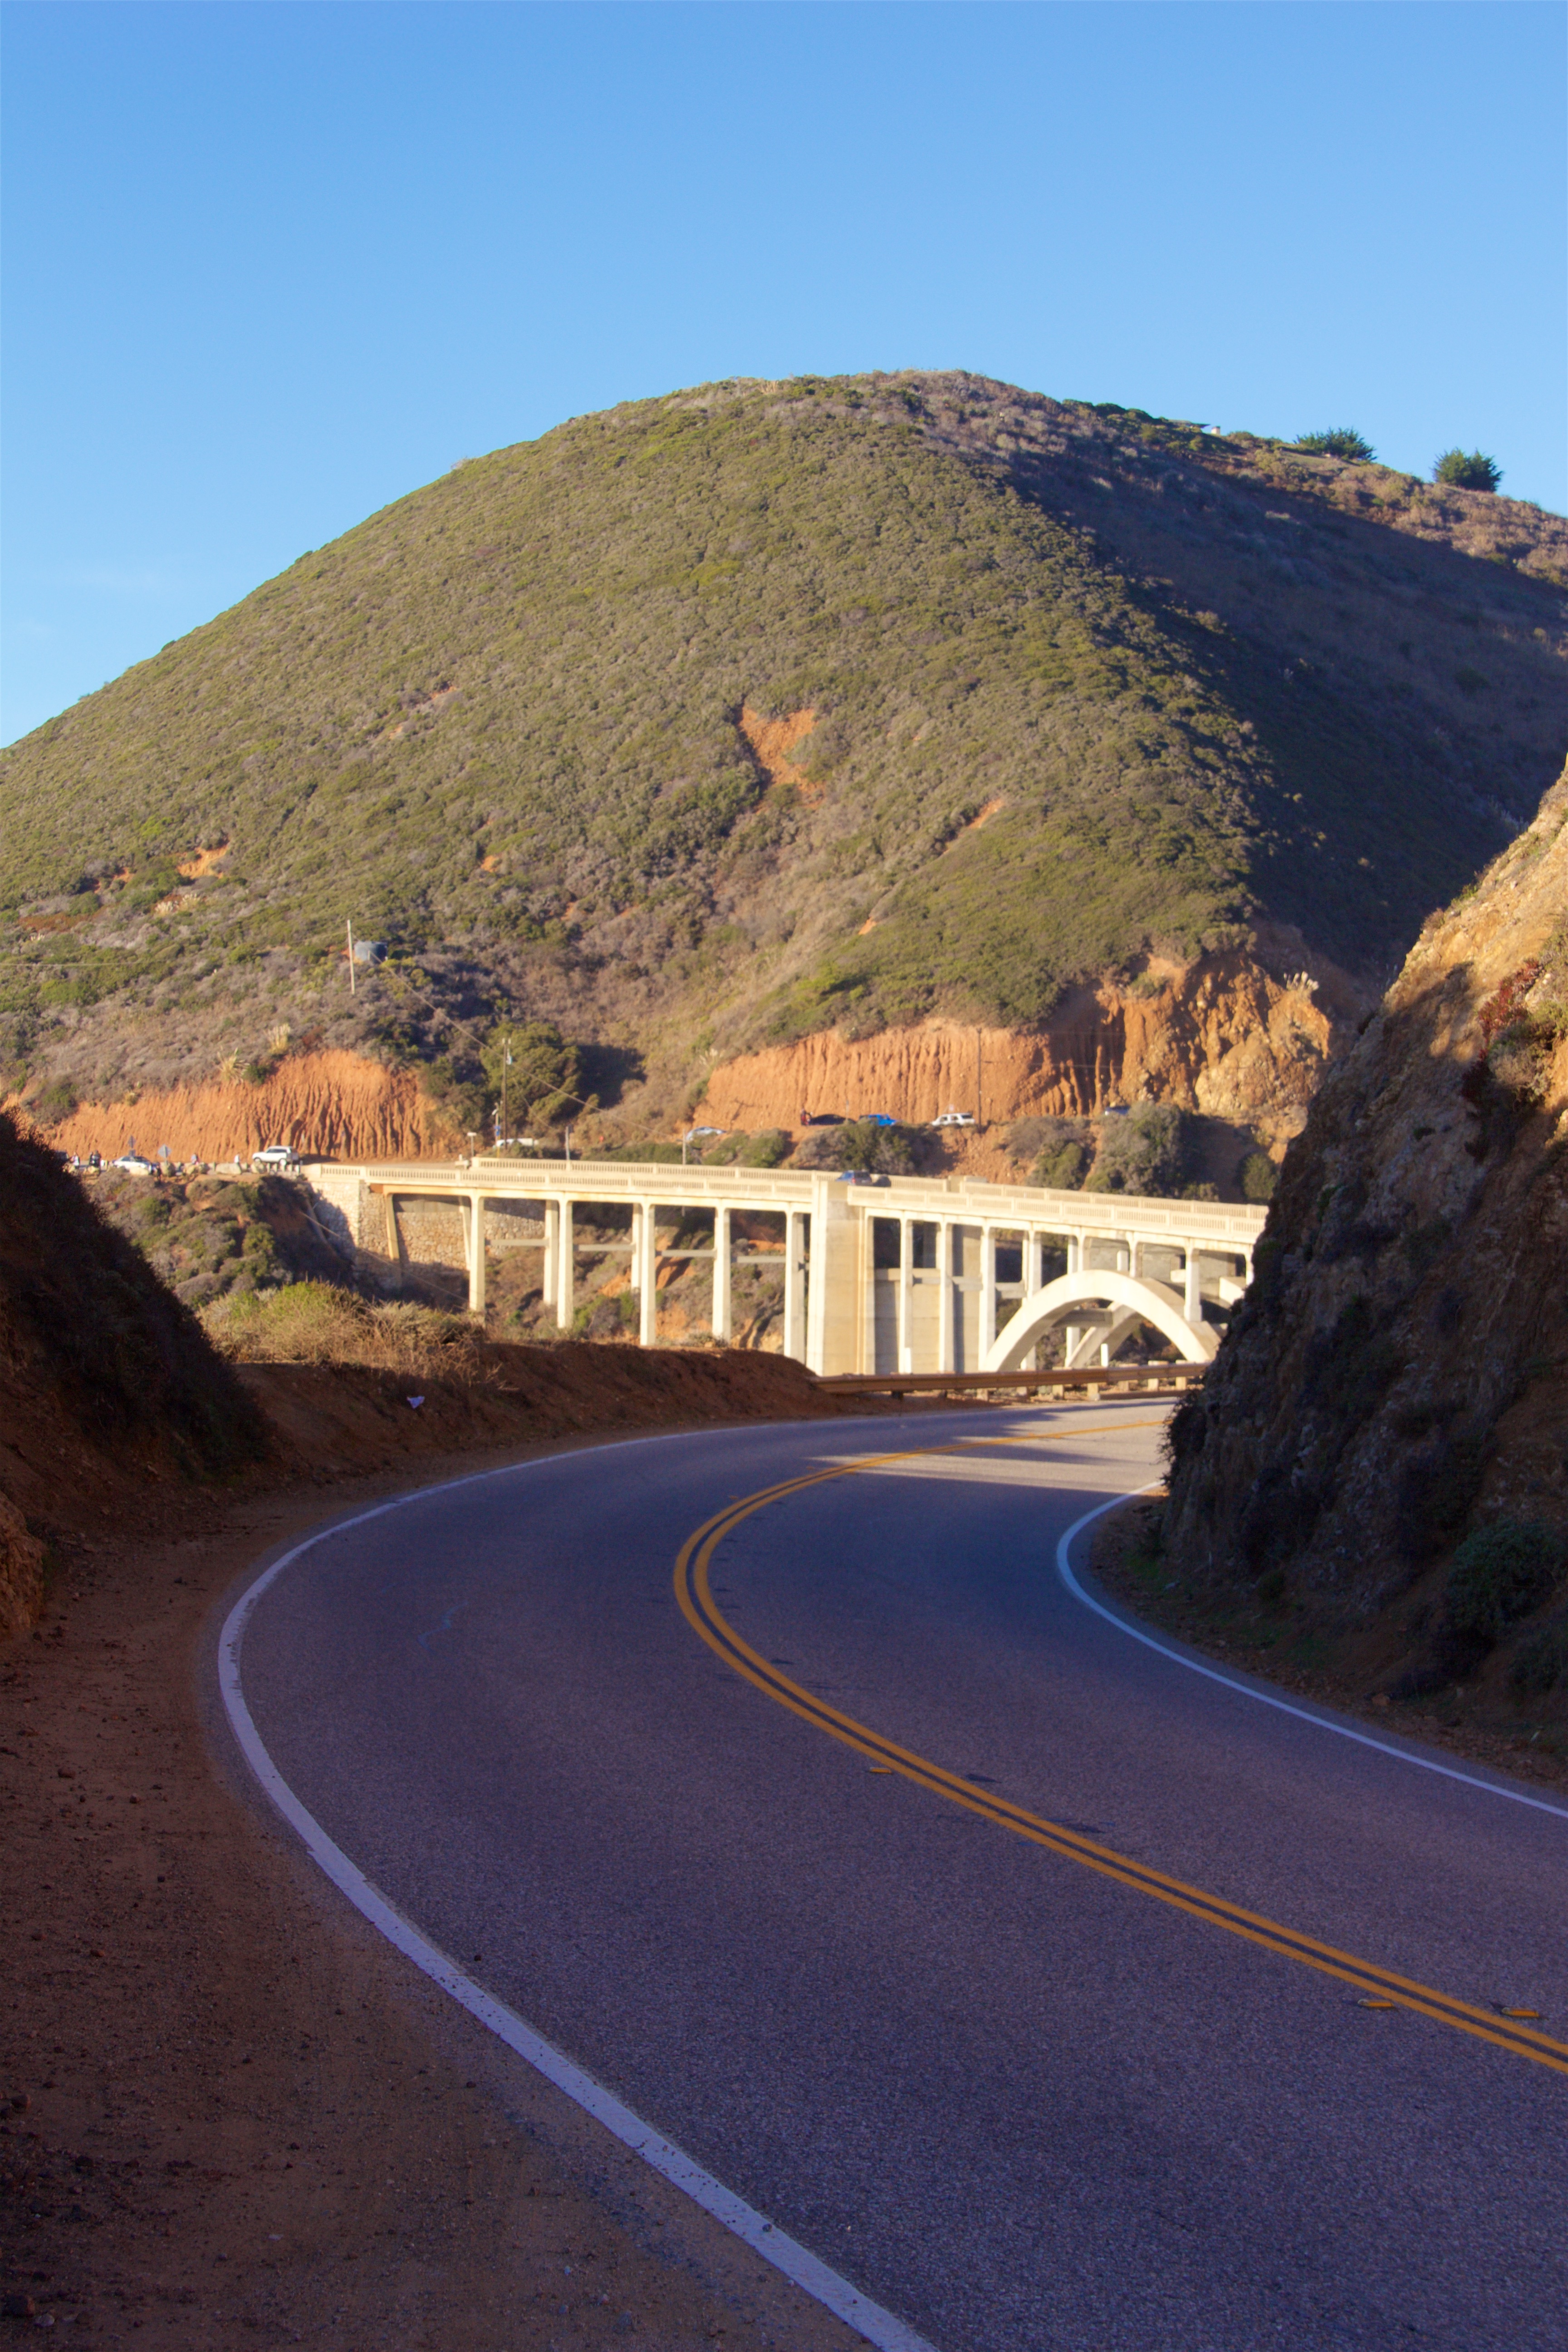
(1379,1458)
(1221,1035)
(226,2114)
(333,1105)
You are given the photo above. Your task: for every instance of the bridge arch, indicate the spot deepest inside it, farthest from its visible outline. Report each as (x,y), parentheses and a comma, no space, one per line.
(1140,1300)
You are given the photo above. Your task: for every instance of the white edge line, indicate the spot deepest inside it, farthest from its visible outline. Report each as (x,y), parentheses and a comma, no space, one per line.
(1267,1698)
(796,2262)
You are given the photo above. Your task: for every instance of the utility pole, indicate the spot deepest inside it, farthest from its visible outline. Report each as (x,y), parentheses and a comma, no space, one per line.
(351,933)
(979,1078)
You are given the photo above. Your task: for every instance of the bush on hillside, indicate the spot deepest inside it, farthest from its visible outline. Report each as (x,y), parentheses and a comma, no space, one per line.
(858,1145)
(1338,441)
(739,1150)
(1142,1152)
(1499,1574)
(1542,1661)
(1467,469)
(311,1323)
(540,1072)
(1259,1178)
(1058,1147)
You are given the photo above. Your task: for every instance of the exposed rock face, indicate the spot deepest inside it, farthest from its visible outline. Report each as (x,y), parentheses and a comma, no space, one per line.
(1220,1036)
(21,1572)
(1398,1374)
(337,1104)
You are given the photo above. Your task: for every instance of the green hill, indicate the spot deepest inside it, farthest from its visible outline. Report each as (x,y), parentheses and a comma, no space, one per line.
(510,726)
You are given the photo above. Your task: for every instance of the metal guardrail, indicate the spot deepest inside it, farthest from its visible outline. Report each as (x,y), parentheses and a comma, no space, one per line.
(999,1388)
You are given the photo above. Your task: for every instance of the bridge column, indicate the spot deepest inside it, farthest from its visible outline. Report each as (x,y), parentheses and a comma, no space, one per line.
(906,1363)
(721,1272)
(644,1272)
(1033,1285)
(834,1320)
(566,1267)
(794,1283)
(395,1249)
(474,1223)
(1193,1296)
(945,1298)
(551,1251)
(987,1289)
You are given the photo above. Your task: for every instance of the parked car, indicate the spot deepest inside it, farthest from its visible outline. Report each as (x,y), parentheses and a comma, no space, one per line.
(954,1118)
(274,1156)
(821,1118)
(876,1119)
(131,1163)
(860,1176)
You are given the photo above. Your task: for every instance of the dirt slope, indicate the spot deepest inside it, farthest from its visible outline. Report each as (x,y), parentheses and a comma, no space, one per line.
(1390,1407)
(1221,1035)
(336,1105)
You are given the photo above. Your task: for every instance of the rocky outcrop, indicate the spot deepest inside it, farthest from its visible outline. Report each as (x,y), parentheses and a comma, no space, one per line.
(1396,1384)
(1222,1035)
(339,1106)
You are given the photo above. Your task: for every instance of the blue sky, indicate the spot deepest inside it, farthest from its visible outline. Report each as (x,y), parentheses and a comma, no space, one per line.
(269,267)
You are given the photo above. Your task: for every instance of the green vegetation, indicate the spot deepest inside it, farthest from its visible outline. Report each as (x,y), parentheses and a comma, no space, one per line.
(314,1323)
(1542,1661)
(862,1148)
(1499,1574)
(1259,1178)
(1467,469)
(207,1236)
(1339,441)
(499,727)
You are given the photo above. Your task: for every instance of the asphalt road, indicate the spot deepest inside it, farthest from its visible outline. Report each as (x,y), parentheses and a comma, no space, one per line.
(1017,2101)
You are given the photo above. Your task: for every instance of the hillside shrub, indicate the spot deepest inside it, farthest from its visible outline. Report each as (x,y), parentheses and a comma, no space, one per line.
(1063,1169)
(1542,1660)
(739,1150)
(1467,469)
(311,1323)
(1259,1177)
(1499,1574)
(1338,441)
(1141,1154)
(858,1145)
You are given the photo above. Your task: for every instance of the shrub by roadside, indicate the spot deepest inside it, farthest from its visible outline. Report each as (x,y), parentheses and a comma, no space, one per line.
(312,1323)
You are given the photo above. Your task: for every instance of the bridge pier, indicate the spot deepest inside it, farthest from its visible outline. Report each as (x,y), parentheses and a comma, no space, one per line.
(721,1315)
(796,1226)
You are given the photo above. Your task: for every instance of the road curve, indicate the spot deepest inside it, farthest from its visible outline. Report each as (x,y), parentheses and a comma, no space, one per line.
(583,1723)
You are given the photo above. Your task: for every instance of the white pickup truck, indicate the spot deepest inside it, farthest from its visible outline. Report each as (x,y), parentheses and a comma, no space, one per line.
(274,1159)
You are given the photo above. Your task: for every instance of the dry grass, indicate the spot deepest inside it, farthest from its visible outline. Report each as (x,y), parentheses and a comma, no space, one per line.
(311,1323)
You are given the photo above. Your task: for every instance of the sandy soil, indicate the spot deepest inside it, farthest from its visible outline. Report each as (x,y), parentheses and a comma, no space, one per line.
(230,2116)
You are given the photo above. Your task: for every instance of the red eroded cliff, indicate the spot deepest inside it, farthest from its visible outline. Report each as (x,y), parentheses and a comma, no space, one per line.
(1220,1036)
(336,1105)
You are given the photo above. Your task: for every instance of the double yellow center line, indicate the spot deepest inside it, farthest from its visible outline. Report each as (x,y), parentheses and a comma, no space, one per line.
(1379,1986)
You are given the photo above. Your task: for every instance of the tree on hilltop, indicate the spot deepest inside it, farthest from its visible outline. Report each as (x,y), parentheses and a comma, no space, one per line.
(1467,469)
(1338,441)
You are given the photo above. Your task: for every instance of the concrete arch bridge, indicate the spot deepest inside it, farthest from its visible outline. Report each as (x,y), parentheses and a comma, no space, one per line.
(911,1274)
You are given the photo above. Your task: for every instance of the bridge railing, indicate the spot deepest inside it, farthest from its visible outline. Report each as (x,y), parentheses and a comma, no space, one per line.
(1000,1388)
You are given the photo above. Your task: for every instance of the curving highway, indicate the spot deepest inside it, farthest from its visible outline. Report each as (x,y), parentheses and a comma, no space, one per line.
(1045,1990)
